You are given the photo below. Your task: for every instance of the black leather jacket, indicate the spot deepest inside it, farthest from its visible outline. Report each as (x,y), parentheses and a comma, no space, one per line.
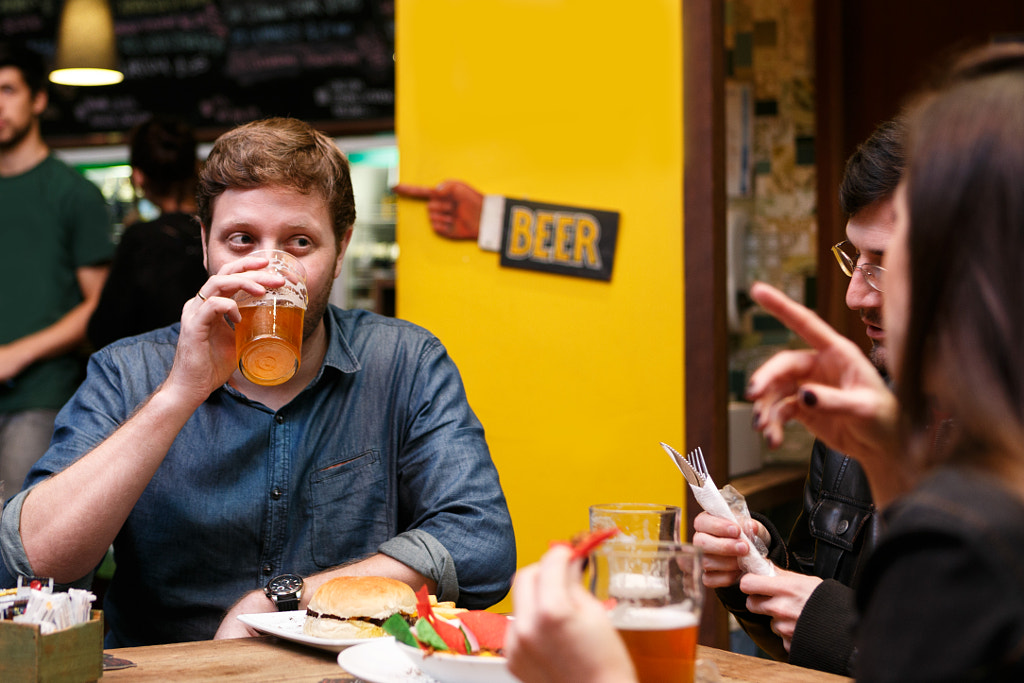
(836,531)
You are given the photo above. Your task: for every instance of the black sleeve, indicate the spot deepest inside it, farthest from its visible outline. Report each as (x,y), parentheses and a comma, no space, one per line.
(824,634)
(936,609)
(757,626)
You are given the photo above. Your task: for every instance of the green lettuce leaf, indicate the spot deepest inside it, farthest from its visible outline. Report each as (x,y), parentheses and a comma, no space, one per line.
(399,628)
(426,634)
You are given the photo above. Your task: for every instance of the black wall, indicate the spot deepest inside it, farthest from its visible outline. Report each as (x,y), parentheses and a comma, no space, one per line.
(224,62)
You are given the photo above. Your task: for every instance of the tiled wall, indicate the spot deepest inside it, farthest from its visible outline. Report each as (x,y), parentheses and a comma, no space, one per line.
(769,47)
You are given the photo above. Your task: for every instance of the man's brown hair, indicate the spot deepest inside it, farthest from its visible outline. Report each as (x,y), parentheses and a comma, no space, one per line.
(279,152)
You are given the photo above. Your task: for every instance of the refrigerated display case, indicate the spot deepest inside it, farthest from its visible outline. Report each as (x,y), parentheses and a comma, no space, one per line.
(367,277)
(108,169)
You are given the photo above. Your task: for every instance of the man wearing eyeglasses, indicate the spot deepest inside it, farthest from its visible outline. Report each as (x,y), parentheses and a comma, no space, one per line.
(805,614)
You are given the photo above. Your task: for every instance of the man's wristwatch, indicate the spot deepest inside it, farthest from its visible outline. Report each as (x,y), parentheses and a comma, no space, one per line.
(285,590)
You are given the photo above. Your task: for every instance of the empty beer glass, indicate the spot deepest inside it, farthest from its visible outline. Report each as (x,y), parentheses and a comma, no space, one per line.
(638,521)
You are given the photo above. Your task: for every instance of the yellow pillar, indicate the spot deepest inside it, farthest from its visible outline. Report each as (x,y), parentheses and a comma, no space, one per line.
(574,102)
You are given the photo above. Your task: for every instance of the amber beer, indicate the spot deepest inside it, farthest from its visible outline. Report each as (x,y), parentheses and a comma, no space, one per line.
(656,591)
(661,642)
(268,341)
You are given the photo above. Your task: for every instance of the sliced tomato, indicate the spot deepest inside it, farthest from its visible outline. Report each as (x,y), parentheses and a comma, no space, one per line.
(423,605)
(488,627)
(452,636)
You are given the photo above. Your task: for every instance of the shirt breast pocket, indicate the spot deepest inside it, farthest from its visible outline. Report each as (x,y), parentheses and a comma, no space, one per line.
(350,511)
(838,521)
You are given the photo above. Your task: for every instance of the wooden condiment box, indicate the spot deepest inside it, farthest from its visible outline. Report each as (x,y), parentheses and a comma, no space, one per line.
(74,655)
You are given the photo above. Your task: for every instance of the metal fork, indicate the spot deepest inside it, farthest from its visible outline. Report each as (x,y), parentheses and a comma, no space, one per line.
(695,459)
(693,477)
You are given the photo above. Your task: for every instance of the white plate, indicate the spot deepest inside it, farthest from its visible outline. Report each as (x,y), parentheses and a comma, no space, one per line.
(379,661)
(450,668)
(288,625)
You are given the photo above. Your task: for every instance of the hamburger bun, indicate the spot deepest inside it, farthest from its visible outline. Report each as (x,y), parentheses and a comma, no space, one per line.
(348,607)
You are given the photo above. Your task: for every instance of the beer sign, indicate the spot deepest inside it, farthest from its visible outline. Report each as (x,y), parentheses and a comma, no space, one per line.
(559,239)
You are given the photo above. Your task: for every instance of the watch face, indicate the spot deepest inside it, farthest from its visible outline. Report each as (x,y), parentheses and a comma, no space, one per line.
(284,584)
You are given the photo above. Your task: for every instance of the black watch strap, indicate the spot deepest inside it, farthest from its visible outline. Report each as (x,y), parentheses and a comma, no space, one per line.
(287,603)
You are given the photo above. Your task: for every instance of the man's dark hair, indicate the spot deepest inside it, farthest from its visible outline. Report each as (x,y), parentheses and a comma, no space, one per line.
(29,62)
(874,169)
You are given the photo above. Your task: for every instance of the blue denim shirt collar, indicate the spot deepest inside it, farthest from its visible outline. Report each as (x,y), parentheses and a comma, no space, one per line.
(339,353)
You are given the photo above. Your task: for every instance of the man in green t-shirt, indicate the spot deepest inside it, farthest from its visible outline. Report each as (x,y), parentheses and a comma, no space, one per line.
(56,243)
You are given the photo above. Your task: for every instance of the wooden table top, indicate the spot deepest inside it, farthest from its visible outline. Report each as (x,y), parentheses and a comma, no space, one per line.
(271,659)
(734,668)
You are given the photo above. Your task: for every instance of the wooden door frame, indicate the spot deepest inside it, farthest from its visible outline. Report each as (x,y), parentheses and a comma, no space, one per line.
(704,260)
(831,148)
(706,392)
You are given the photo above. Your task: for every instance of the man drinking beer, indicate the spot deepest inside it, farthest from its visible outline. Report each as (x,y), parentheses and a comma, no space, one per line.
(368,460)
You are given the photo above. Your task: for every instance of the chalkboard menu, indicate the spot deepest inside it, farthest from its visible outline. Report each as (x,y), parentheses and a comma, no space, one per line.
(219,63)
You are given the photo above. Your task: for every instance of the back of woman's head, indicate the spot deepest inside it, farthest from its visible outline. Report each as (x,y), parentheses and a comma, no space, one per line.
(164,149)
(965,198)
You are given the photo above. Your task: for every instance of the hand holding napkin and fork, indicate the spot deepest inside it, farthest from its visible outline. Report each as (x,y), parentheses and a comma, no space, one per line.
(727,504)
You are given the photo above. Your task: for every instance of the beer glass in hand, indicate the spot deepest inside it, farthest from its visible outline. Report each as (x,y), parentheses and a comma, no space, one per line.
(655,594)
(268,341)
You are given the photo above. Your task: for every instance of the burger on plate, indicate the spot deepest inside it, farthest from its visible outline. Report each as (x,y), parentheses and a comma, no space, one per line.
(350,607)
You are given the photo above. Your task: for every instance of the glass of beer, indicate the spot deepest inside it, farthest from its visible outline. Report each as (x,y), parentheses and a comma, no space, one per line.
(638,521)
(656,593)
(268,341)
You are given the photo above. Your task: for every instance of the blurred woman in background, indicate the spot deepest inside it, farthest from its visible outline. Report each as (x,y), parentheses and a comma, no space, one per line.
(159,263)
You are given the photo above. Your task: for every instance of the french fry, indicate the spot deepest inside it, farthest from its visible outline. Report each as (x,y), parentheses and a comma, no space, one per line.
(446,609)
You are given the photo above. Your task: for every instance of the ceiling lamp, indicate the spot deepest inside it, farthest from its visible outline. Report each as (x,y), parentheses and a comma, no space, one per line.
(86,49)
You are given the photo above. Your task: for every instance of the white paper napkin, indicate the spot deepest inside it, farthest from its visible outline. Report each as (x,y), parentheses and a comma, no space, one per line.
(710,498)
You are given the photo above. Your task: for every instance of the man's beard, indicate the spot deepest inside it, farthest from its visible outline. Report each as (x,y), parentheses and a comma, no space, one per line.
(315,309)
(877,356)
(18,136)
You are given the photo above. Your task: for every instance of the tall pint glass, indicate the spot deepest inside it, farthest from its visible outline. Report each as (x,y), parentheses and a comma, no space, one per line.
(268,341)
(657,592)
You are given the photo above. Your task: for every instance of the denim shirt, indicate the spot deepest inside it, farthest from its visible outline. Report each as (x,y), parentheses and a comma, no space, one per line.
(380,453)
